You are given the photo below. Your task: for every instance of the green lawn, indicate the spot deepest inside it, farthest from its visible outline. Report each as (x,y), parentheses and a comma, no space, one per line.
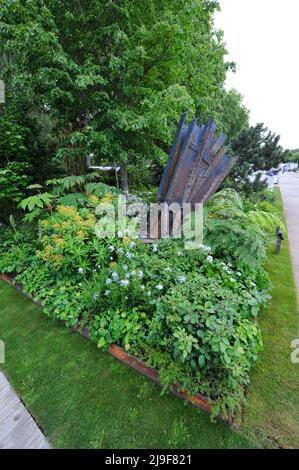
(273,412)
(83,398)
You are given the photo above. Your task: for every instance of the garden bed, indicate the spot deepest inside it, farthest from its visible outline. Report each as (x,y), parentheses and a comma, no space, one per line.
(189,315)
(198,400)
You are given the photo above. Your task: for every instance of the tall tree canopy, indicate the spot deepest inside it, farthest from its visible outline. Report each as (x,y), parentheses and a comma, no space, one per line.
(234,115)
(257,149)
(108,78)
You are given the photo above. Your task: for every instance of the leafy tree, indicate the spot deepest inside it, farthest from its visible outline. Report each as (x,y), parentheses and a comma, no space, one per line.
(31,63)
(234,115)
(257,148)
(107,78)
(293,156)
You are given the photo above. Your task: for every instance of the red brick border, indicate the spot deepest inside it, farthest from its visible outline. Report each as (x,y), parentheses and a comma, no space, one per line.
(198,400)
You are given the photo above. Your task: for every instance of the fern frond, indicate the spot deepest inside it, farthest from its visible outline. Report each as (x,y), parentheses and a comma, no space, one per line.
(268,221)
(227,197)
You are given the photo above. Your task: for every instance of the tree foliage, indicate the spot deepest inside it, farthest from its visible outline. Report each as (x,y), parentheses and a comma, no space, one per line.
(108,78)
(234,114)
(293,156)
(257,148)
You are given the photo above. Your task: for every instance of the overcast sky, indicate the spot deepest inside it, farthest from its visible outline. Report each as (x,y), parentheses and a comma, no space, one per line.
(262,37)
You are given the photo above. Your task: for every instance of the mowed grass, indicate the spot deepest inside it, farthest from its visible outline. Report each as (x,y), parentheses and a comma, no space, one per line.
(84,398)
(272,416)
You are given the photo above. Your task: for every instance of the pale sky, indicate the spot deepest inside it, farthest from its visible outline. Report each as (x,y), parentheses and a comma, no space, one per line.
(262,37)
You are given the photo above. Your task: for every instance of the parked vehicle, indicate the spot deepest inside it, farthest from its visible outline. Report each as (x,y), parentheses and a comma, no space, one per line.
(289,167)
(273,175)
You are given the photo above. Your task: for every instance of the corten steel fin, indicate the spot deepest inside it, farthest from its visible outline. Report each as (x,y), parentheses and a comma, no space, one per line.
(190,147)
(173,157)
(203,175)
(206,139)
(180,161)
(215,170)
(219,174)
(204,158)
(196,167)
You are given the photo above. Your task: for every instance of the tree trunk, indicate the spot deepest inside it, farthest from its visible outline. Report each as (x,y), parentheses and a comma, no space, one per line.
(124,177)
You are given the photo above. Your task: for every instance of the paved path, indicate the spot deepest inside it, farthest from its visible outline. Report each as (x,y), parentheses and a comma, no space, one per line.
(289,186)
(18,430)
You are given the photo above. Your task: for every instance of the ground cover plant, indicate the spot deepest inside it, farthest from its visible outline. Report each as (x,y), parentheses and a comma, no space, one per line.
(192,314)
(83,398)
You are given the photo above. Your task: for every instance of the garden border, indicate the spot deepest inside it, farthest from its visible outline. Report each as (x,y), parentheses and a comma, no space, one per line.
(198,400)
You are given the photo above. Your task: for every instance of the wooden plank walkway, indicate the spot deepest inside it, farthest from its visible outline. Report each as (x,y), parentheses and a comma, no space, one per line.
(18,430)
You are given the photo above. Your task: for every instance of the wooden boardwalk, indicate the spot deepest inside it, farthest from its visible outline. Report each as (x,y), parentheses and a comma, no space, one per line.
(18,430)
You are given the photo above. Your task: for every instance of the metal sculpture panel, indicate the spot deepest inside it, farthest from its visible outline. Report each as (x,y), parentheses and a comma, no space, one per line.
(197,164)
(196,167)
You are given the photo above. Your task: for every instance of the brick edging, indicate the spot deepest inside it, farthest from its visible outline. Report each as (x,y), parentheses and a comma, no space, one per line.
(198,400)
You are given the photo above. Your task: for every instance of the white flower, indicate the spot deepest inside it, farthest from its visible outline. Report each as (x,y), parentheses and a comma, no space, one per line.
(95,297)
(126,297)
(94,270)
(149,293)
(168,270)
(108,281)
(80,284)
(107,292)
(129,255)
(140,274)
(179,253)
(142,287)
(124,283)
(111,258)
(205,248)
(209,259)
(128,275)
(225,268)
(155,247)
(114,276)
(133,273)
(81,270)
(120,250)
(233,279)
(132,244)
(125,267)
(253,284)
(238,273)
(182,279)
(111,248)
(119,234)
(159,286)
(223,264)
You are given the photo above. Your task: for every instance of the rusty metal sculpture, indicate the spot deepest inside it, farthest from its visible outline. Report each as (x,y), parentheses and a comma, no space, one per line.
(197,164)
(196,167)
